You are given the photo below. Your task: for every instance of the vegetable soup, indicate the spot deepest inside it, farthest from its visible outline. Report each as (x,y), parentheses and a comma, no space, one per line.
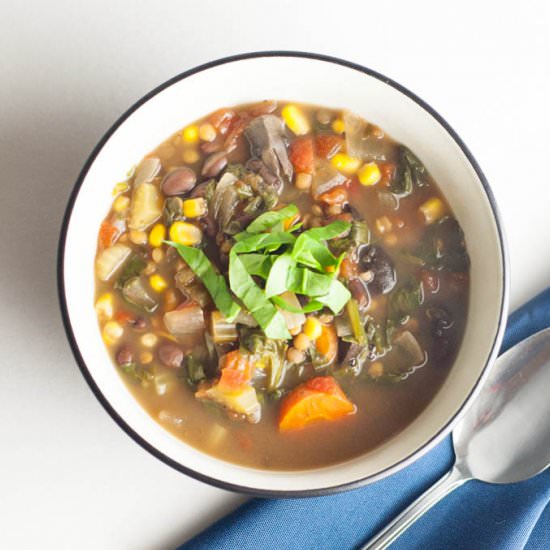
(282,286)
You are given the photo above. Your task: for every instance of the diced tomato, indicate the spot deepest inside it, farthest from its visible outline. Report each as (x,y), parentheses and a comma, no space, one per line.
(236,128)
(123,317)
(327,145)
(348,268)
(221,120)
(327,343)
(108,234)
(337,195)
(387,169)
(236,370)
(320,398)
(301,155)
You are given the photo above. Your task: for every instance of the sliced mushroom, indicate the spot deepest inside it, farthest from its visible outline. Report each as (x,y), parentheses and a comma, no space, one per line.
(266,135)
(408,345)
(147,170)
(375,262)
(134,291)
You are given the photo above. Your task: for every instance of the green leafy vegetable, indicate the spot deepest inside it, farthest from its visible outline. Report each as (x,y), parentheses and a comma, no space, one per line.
(312,253)
(443,246)
(359,235)
(133,268)
(329,231)
(336,298)
(352,309)
(244,287)
(258,264)
(311,306)
(263,241)
(138,373)
(271,219)
(194,369)
(304,281)
(410,172)
(276,282)
(215,283)
(405,300)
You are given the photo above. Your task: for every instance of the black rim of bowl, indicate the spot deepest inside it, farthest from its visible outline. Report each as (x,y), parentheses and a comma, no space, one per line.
(436,438)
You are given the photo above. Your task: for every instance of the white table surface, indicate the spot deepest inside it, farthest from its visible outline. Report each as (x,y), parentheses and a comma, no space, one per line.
(69,477)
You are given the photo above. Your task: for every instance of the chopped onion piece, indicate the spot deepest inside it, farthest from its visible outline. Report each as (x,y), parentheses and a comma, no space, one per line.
(185,322)
(294,321)
(110,260)
(221,330)
(408,344)
(326,177)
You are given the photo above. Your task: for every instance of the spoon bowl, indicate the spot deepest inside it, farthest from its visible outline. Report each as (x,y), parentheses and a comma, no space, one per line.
(503,438)
(505,435)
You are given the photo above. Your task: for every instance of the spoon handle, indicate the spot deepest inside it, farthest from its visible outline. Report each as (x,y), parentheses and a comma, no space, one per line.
(450,481)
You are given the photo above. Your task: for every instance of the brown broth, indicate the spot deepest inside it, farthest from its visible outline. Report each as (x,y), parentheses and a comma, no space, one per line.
(383,408)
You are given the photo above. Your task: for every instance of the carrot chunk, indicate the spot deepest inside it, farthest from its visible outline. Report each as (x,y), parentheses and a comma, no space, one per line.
(320,398)
(301,155)
(327,343)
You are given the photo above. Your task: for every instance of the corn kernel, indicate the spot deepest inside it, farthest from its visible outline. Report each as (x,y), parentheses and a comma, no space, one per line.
(149,340)
(138,237)
(121,204)
(104,307)
(313,328)
(346,164)
(158,283)
(112,331)
(194,208)
(207,132)
(338,126)
(157,235)
(383,225)
(190,156)
(432,210)
(295,120)
(369,174)
(376,369)
(120,187)
(185,233)
(191,134)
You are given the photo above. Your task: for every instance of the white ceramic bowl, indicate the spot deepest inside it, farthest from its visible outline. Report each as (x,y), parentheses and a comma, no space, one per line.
(311,79)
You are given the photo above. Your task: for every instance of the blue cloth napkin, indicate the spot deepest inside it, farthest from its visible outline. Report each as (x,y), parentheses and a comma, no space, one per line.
(475,516)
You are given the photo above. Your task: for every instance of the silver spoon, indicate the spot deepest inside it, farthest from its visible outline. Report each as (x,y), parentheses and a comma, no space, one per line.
(503,438)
